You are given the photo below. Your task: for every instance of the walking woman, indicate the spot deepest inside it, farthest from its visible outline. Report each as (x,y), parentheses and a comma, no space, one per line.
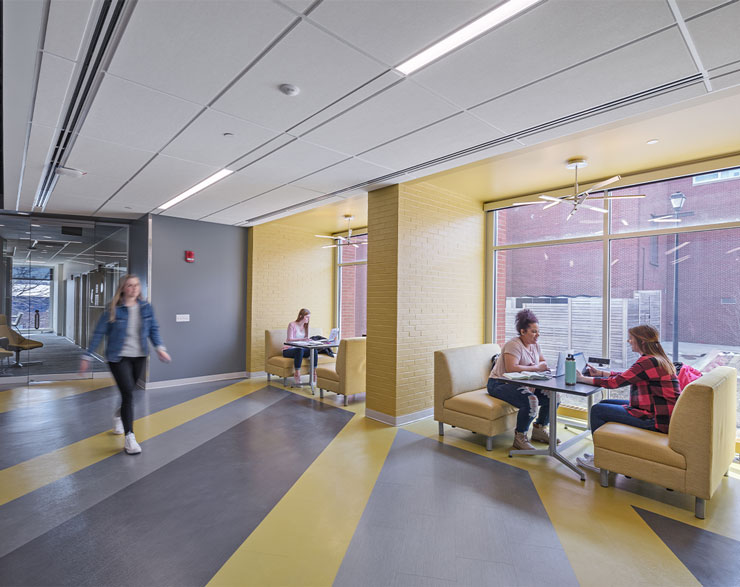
(127,325)
(653,385)
(298,332)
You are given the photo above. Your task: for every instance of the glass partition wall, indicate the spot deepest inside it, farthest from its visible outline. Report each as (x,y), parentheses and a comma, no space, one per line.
(56,277)
(670,259)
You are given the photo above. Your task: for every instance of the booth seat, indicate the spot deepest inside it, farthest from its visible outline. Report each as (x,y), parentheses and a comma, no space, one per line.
(347,376)
(460,395)
(696,452)
(280,366)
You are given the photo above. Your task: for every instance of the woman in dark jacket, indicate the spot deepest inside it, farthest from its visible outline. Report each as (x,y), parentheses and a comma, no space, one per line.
(127,325)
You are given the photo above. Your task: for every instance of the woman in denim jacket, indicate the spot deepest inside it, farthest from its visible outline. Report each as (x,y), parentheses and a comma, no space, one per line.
(127,325)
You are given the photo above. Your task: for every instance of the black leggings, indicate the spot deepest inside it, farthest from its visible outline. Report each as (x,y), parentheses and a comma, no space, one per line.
(127,372)
(297,355)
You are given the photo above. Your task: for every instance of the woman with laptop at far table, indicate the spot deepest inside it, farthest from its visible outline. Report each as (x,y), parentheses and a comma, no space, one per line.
(653,384)
(522,353)
(298,332)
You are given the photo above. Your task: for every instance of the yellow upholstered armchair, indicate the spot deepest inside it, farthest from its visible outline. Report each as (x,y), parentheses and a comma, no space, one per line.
(347,376)
(696,452)
(17,342)
(280,366)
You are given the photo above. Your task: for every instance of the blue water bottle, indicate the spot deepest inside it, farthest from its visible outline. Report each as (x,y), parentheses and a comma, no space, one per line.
(570,370)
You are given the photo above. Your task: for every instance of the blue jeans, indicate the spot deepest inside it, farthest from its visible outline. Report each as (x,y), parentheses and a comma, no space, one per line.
(612,410)
(528,401)
(297,355)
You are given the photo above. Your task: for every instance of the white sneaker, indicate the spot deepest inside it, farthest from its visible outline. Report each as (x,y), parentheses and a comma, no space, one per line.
(587,463)
(130,445)
(117,425)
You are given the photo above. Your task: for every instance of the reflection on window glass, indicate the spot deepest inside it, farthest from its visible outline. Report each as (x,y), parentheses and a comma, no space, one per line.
(353,300)
(31,292)
(676,202)
(524,224)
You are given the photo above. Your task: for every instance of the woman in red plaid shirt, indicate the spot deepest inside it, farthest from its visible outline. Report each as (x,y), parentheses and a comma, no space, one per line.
(653,389)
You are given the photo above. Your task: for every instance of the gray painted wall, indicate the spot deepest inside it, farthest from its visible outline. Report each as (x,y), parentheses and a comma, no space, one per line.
(213,290)
(138,250)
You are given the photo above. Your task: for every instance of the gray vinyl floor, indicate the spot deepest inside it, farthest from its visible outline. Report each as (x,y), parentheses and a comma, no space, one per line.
(58,355)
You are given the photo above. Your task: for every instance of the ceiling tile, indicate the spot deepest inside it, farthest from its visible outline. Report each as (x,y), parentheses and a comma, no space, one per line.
(307,58)
(296,5)
(275,200)
(66,26)
(289,164)
(399,110)
(448,136)
(393,31)
(108,167)
(717,36)
(204,140)
(194,49)
(54,80)
(135,116)
(689,8)
(39,146)
(342,175)
(654,61)
(70,204)
(266,149)
(161,180)
(550,37)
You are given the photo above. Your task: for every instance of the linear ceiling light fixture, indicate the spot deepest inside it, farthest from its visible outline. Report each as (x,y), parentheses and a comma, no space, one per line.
(500,14)
(196,188)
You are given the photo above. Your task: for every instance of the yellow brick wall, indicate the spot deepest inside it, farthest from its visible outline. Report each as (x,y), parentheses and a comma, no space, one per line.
(429,291)
(288,270)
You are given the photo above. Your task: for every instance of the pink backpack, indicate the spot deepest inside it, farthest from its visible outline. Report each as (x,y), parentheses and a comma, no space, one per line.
(686,375)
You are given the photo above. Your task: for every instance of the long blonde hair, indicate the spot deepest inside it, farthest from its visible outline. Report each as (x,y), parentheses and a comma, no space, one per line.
(119,293)
(301,314)
(648,341)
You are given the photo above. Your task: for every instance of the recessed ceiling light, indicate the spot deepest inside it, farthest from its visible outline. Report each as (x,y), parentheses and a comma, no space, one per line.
(652,141)
(36,225)
(196,188)
(486,22)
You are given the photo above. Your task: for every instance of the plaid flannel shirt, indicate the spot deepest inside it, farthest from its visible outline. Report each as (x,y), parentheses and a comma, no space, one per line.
(653,392)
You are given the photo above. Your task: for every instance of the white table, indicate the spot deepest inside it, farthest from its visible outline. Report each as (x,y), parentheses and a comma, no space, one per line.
(557,385)
(314,346)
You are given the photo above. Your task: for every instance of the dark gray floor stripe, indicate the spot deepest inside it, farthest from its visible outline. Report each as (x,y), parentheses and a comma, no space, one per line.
(439,515)
(36,513)
(713,559)
(26,433)
(179,524)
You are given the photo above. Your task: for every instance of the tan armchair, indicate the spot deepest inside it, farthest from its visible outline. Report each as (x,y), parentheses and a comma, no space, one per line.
(347,376)
(17,342)
(697,450)
(460,395)
(280,366)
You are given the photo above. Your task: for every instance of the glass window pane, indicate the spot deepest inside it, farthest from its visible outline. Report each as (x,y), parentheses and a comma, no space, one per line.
(352,254)
(563,285)
(703,310)
(525,224)
(353,300)
(702,203)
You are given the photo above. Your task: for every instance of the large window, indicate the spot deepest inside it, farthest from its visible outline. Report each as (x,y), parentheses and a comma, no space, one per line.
(352,287)
(670,259)
(31,295)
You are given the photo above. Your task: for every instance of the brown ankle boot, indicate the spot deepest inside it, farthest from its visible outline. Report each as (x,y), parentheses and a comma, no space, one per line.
(541,434)
(521,442)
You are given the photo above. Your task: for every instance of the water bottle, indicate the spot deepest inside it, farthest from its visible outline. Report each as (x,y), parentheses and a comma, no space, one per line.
(570,370)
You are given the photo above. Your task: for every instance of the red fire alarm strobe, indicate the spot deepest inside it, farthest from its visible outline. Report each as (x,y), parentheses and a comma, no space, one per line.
(189,257)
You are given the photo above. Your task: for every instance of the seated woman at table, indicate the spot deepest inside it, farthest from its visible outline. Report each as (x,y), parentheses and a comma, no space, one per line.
(653,384)
(298,332)
(522,353)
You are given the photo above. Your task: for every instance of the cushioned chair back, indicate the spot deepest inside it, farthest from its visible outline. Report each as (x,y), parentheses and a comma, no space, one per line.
(6,332)
(351,364)
(275,339)
(703,429)
(461,369)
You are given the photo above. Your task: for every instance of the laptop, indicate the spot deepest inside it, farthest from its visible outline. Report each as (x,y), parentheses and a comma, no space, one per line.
(560,365)
(334,335)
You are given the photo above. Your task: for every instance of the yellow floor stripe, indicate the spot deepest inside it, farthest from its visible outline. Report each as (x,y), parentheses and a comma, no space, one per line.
(304,538)
(591,520)
(30,395)
(29,475)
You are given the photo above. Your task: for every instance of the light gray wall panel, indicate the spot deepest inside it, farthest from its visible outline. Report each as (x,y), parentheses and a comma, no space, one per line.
(212,291)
